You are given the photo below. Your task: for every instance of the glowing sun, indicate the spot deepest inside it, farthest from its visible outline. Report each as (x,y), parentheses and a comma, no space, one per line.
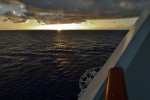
(58,27)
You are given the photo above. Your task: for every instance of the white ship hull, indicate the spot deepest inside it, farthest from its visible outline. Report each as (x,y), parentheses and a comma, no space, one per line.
(133,55)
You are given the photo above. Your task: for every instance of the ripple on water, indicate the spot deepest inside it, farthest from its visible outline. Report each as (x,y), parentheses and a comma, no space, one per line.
(46,65)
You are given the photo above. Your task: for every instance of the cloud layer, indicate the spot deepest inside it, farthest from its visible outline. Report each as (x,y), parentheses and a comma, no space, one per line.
(70,11)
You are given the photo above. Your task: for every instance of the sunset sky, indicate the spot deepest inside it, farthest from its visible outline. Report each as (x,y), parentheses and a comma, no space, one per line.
(69,14)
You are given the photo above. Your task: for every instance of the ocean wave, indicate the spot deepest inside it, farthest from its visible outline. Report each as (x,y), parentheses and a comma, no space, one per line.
(42,65)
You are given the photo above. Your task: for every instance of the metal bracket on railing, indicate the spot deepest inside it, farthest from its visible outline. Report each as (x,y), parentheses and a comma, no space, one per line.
(86,78)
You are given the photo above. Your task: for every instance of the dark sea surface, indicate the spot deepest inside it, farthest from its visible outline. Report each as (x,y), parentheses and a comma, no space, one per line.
(47,65)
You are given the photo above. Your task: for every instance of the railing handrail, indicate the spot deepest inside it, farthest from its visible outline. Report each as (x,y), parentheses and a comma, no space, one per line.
(116,88)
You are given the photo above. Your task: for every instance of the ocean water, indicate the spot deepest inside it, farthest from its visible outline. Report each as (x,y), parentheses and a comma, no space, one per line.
(47,65)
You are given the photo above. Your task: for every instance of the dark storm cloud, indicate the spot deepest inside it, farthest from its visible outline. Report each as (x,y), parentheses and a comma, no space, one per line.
(10,2)
(88,7)
(12,16)
(67,11)
(12,10)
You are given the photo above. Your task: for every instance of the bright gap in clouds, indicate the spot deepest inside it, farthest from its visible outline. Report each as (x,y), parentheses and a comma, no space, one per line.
(113,24)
